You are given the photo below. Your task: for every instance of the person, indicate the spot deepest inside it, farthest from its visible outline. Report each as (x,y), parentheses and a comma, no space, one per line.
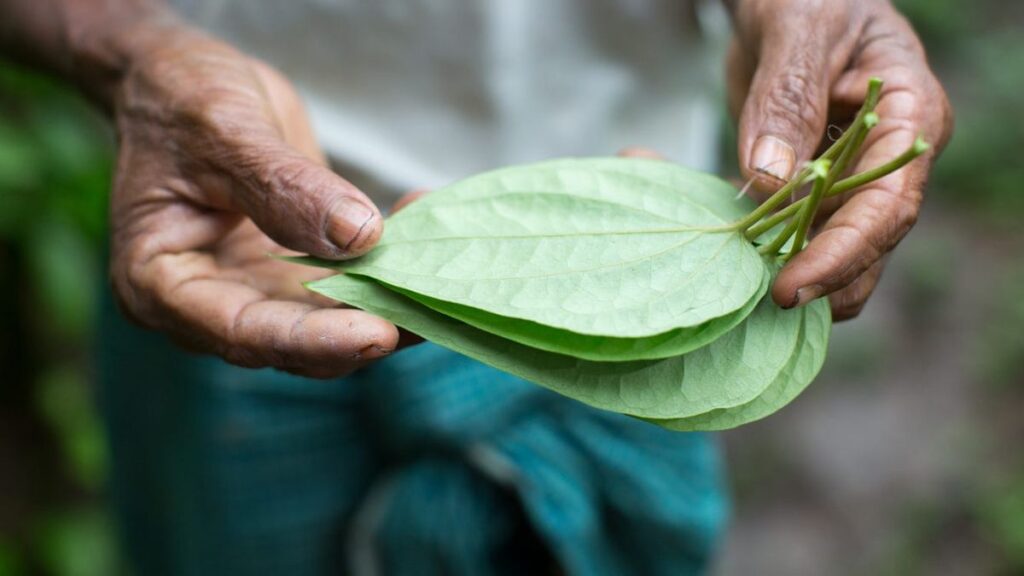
(422,461)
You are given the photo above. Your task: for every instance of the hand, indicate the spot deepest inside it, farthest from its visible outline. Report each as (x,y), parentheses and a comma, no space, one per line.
(218,167)
(794,67)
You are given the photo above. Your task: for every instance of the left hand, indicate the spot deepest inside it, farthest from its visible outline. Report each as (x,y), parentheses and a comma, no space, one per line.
(795,66)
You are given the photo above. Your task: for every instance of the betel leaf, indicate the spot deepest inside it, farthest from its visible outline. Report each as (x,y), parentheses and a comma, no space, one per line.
(616,281)
(794,378)
(598,348)
(625,248)
(728,372)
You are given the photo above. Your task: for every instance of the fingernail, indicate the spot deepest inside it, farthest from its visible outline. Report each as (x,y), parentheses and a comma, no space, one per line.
(350,219)
(807,294)
(773,157)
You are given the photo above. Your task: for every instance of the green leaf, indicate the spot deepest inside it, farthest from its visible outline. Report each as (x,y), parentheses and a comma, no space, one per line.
(728,372)
(597,348)
(794,378)
(625,248)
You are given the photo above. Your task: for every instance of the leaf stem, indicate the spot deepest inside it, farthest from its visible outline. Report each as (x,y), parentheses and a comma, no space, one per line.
(774,220)
(823,173)
(772,202)
(827,175)
(920,146)
(780,240)
(843,186)
(833,152)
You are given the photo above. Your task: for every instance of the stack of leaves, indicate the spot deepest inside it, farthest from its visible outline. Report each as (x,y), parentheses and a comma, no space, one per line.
(631,285)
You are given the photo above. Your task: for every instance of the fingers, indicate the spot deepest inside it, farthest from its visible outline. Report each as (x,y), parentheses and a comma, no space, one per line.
(302,204)
(205,310)
(911,91)
(291,194)
(848,302)
(875,218)
(871,222)
(209,141)
(233,134)
(785,112)
(809,63)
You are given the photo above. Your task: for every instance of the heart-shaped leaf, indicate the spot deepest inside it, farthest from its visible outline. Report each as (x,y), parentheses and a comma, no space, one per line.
(598,348)
(622,248)
(730,371)
(794,378)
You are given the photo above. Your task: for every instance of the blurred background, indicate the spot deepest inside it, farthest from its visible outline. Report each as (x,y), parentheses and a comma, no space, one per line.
(904,457)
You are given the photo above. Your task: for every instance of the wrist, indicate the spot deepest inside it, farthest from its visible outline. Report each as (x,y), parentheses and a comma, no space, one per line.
(104,40)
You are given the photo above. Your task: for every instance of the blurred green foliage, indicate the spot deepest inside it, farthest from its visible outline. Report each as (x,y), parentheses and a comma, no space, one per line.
(979,52)
(10,563)
(978,49)
(999,357)
(1001,514)
(77,543)
(55,159)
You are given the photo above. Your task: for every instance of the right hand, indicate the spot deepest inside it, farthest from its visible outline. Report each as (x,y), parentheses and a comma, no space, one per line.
(217,167)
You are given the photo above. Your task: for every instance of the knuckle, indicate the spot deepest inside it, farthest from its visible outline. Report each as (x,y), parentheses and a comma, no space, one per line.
(930,106)
(905,214)
(238,345)
(253,166)
(900,212)
(847,311)
(131,287)
(888,216)
(792,103)
(220,116)
(865,248)
(830,259)
(902,107)
(288,178)
(945,118)
(157,275)
(126,294)
(224,124)
(900,76)
(284,349)
(288,199)
(914,93)
(241,356)
(303,187)
(849,303)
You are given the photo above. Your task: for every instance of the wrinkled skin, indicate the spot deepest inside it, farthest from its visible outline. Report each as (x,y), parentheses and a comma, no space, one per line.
(794,67)
(218,166)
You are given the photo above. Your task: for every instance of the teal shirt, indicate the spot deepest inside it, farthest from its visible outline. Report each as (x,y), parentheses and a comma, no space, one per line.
(423,463)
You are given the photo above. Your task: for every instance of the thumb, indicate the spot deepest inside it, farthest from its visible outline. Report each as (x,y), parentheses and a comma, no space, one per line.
(303,205)
(785,113)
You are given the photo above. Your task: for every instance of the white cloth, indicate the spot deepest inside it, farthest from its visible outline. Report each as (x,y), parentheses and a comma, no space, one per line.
(418,93)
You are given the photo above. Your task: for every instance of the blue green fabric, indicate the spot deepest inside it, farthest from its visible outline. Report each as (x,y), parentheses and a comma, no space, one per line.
(424,463)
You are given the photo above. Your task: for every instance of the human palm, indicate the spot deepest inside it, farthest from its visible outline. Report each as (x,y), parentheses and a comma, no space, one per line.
(217,167)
